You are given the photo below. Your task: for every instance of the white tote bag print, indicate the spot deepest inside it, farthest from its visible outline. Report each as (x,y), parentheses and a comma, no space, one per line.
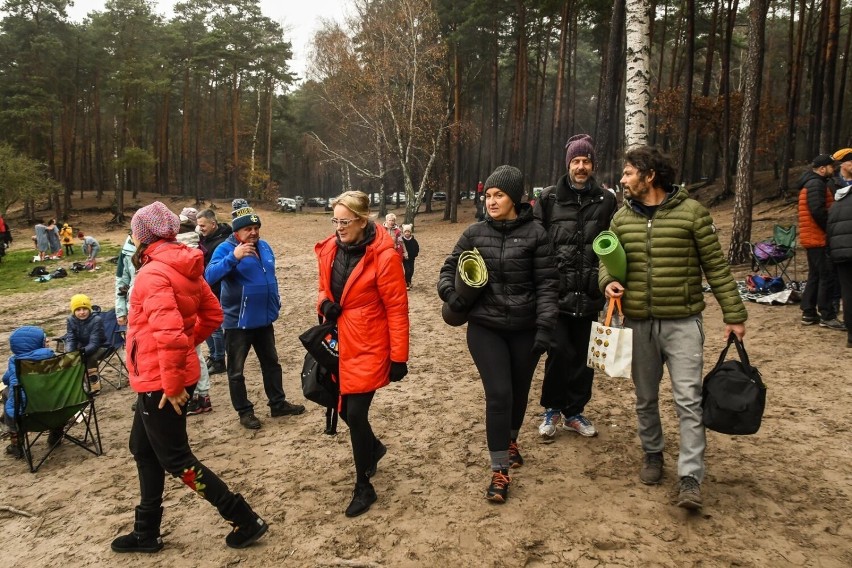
(611,347)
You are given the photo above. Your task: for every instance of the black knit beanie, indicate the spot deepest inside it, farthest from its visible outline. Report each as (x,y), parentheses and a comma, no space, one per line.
(510,180)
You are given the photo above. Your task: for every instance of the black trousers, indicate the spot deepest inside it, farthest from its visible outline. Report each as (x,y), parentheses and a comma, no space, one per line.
(159,444)
(408,269)
(237,345)
(567,381)
(819,290)
(506,365)
(844,277)
(355,412)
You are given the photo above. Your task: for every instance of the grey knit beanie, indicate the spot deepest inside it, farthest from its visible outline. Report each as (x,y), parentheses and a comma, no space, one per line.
(510,180)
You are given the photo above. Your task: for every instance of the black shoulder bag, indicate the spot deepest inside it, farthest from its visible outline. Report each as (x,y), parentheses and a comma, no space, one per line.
(733,397)
(321,361)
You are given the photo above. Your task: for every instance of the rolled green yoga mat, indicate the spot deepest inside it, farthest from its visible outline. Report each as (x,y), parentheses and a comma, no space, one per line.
(611,253)
(471,278)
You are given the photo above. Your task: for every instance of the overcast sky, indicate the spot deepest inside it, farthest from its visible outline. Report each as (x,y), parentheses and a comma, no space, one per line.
(299,18)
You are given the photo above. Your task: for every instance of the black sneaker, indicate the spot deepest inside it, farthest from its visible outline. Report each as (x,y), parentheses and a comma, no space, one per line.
(498,491)
(810,320)
(198,405)
(833,323)
(652,468)
(15,450)
(250,421)
(54,438)
(362,499)
(689,495)
(216,367)
(515,458)
(286,409)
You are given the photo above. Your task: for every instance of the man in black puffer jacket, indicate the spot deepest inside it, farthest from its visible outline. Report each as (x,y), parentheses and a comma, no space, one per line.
(213,234)
(574,212)
(839,233)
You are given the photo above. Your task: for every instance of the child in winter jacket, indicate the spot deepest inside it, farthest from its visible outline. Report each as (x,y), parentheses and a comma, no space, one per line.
(27,342)
(396,235)
(85,331)
(66,233)
(412,249)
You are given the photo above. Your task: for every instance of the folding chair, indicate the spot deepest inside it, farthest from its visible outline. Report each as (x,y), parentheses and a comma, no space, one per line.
(773,256)
(53,395)
(112,358)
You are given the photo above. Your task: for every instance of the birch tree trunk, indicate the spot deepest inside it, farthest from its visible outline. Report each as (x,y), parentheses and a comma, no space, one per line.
(638,78)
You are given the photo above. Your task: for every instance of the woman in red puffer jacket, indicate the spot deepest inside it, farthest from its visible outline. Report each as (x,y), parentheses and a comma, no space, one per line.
(172,311)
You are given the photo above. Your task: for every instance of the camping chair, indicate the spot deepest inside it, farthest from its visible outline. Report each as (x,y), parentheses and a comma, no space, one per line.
(773,256)
(53,394)
(115,343)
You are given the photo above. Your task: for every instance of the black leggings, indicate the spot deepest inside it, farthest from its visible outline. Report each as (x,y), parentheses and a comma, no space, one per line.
(506,365)
(159,444)
(355,412)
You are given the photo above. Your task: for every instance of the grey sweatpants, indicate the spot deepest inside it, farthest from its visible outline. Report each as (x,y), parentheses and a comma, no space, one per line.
(679,344)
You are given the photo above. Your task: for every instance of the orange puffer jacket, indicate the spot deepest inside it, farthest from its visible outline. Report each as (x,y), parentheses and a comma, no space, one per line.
(814,200)
(373,327)
(171,311)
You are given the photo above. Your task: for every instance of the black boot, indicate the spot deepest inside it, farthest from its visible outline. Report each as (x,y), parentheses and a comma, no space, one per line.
(248,526)
(146,533)
(379,451)
(362,498)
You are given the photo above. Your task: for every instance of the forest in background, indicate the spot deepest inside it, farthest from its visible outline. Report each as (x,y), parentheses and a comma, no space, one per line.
(405,95)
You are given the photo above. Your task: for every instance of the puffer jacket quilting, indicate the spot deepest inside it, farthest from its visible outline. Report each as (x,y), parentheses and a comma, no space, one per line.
(87,334)
(840,227)
(666,256)
(523,282)
(26,343)
(814,201)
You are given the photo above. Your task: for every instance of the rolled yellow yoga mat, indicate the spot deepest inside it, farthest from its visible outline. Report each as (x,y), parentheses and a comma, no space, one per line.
(471,278)
(611,253)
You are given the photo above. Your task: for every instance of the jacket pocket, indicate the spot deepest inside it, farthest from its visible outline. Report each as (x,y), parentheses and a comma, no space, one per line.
(254,307)
(133,348)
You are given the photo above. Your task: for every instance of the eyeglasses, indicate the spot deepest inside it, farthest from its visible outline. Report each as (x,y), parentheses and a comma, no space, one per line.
(343,223)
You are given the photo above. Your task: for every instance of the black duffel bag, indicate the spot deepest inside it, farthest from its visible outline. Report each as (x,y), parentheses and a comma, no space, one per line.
(733,396)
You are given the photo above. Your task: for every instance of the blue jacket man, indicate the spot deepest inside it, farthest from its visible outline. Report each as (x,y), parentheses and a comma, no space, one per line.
(245,266)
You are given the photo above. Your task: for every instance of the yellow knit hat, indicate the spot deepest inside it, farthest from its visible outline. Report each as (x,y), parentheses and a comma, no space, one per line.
(80,301)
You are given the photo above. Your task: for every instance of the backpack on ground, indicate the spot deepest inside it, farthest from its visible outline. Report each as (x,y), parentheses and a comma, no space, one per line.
(733,396)
(764,284)
(39,271)
(78,267)
(59,273)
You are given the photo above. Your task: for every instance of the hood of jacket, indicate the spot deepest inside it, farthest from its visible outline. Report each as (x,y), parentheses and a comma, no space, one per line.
(811,175)
(842,193)
(26,339)
(185,260)
(674,196)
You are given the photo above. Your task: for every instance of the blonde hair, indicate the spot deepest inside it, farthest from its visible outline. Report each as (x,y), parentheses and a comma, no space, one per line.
(390,217)
(356,201)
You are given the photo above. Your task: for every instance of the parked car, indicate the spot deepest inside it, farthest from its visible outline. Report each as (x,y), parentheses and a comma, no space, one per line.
(439,196)
(287,204)
(300,201)
(315,202)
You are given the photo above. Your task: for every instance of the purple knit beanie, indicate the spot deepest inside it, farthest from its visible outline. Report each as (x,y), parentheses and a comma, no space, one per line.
(154,222)
(579,145)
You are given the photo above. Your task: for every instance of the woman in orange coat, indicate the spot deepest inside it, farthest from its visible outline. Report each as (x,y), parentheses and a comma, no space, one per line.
(362,287)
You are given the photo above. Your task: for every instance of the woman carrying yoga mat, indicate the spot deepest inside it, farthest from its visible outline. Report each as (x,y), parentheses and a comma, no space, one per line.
(511,321)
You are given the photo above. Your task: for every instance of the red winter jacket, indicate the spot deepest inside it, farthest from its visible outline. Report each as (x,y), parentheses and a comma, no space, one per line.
(373,326)
(172,311)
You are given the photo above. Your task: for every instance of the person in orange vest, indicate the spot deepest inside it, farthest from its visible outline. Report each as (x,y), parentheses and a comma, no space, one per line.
(815,198)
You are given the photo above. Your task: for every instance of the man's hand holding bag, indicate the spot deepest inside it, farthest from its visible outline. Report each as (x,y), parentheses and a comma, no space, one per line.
(611,346)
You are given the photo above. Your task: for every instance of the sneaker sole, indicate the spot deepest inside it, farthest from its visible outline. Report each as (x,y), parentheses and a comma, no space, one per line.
(809,322)
(690,504)
(569,429)
(254,538)
(496,499)
(200,411)
(544,434)
(287,413)
(657,482)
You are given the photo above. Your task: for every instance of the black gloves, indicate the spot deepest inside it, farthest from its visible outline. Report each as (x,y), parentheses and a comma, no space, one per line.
(331,310)
(456,302)
(542,343)
(397,371)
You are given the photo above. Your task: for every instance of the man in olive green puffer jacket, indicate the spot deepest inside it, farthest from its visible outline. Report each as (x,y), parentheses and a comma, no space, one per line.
(670,240)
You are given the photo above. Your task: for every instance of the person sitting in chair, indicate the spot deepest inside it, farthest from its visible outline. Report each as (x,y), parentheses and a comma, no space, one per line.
(27,342)
(85,331)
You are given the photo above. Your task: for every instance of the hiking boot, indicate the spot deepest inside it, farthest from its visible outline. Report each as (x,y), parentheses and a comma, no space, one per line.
(547,428)
(833,323)
(362,499)
(95,385)
(216,367)
(652,468)
(145,536)
(579,424)
(498,491)
(247,525)
(809,320)
(199,404)
(286,409)
(250,421)
(515,458)
(689,495)
(379,451)
(14,449)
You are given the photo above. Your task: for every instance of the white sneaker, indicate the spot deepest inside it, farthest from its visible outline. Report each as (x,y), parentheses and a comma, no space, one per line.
(579,424)
(547,428)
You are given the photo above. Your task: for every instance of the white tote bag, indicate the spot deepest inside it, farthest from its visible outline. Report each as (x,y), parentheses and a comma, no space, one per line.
(611,347)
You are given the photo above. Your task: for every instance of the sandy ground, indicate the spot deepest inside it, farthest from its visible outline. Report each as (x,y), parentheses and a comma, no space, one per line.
(779,498)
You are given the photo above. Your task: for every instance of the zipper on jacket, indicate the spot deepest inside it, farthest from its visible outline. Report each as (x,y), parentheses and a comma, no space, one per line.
(650,263)
(243,309)
(502,268)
